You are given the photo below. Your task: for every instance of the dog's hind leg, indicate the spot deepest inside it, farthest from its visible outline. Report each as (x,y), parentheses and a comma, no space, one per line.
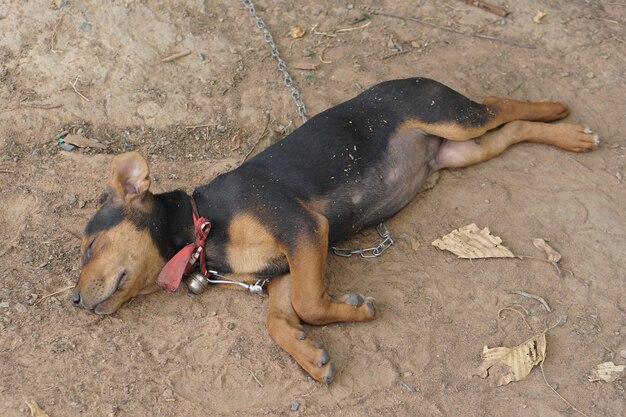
(284,327)
(309,297)
(571,137)
(466,119)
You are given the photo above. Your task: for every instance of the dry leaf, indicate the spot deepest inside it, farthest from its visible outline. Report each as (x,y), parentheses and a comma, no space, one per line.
(540,15)
(515,363)
(470,242)
(607,372)
(553,256)
(296,32)
(83,142)
(35,410)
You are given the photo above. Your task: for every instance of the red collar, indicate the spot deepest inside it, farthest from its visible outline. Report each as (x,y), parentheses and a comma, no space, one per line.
(183,262)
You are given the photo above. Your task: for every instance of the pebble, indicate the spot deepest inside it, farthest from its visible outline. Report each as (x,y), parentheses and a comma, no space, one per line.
(179,38)
(220,129)
(213,313)
(230,326)
(28,260)
(67,146)
(590,75)
(5,304)
(408,373)
(295,406)
(21,308)
(168,395)
(81,204)
(201,56)
(71,199)
(623,353)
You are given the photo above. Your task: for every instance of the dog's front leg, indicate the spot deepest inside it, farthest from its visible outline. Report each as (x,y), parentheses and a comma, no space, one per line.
(284,327)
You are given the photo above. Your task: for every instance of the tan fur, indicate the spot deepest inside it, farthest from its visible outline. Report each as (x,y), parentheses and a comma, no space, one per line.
(251,245)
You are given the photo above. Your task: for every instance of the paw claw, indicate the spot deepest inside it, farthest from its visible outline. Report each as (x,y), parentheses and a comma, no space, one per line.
(324,358)
(587,129)
(596,140)
(353,299)
(330,374)
(372,307)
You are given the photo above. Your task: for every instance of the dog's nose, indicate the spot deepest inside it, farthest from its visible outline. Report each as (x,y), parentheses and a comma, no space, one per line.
(75,298)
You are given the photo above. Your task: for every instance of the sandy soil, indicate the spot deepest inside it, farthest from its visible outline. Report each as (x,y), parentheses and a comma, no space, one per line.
(96,70)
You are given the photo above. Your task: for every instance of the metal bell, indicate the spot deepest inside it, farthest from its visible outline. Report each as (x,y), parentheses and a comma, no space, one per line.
(197,283)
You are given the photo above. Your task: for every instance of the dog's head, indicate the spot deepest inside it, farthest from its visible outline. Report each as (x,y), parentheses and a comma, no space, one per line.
(120,258)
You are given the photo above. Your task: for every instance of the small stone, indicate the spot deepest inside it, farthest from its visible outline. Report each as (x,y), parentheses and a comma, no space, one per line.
(35,153)
(71,199)
(21,308)
(201,56)
(295,406)
(81,204)
(230,326)
(622,353)
(449,260)
(67,146)
(179,38)
(408,373)
(28,260)
(565,74)
(5,304)
(213,313)
(220,129)
(590,75)
(168,394)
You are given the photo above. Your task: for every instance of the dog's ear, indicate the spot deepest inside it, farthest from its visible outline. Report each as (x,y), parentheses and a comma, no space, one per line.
(130,178)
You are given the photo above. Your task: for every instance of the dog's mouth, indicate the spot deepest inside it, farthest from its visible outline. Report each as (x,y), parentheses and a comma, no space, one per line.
(110,304)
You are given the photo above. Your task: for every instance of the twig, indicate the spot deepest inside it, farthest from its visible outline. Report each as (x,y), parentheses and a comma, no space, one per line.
(267,123)
(543,374)
(7,171)
(396,54)
(76,91)
(322,54)
(518,312)
(253,375)
(534,297)
(42,106)
(196,127)
(475,35)
(176,56)
(54,293)
(488,7)
(333,33)
(54,36)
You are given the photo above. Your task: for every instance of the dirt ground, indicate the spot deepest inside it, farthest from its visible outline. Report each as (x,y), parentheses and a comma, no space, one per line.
(95,69)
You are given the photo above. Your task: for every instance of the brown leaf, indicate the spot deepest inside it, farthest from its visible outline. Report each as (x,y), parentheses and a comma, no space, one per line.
(35,410)
(514,364)
(83,142)
(472,243)
(296,32)
(553,256)
(607,372)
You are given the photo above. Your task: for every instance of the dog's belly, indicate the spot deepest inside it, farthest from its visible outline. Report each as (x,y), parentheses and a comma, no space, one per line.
(385,188)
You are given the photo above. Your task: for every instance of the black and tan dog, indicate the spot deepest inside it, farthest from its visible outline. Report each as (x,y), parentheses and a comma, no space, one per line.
(275,216)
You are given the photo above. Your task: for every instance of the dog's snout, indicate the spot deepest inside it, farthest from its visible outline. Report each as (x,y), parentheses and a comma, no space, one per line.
(75,298)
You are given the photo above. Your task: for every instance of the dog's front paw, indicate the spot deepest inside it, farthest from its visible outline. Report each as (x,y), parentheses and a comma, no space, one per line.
(322,370)
(367,304)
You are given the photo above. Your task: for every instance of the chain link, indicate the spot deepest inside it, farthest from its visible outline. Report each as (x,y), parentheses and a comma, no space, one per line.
(375,252)
(282,67)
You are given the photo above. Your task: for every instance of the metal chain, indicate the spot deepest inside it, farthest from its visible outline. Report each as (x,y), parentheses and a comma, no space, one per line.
(375,252)
(384,234)
(282,67)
